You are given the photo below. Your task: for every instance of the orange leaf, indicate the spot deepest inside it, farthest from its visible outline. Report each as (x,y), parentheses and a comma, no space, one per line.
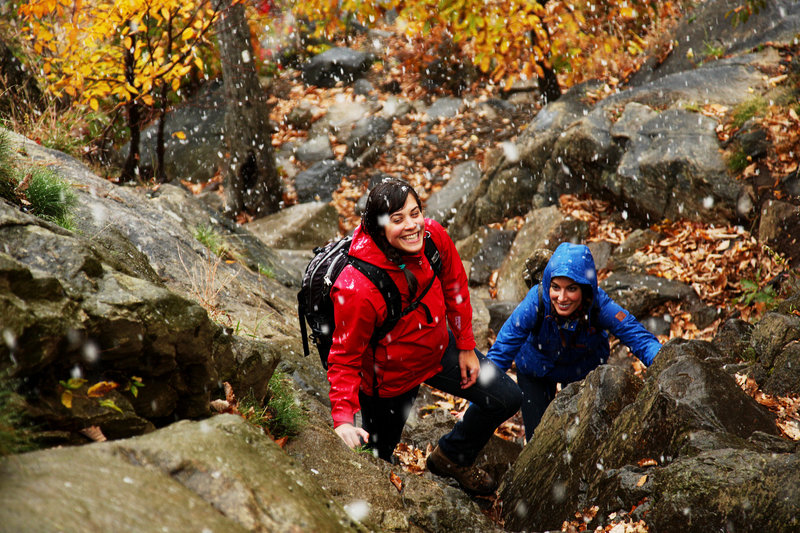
(642,481)
(101,389)
(396,481)
(647,462)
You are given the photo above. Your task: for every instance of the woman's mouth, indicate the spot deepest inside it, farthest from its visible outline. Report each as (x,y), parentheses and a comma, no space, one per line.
(414,237)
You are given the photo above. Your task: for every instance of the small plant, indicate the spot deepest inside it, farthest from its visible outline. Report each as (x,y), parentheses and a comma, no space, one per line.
(747,110)
(211,239)
(37,189)
(16,434)
(738,161)
(752,292)
(365,449)
(280,417)
(206,286)
(266,271)
(208,237)
(50,197)
(287,417)
(711,51)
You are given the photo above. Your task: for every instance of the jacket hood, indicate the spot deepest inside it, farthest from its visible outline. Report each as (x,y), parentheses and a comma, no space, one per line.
(574,261)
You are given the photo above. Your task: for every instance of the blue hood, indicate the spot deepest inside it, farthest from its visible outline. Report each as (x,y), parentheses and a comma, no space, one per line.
(574,261)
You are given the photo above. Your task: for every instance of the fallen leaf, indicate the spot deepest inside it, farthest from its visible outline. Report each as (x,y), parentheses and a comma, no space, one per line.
(66,399)
(102,388)
(396,481)
(642,481)
(647,462)
(94,433)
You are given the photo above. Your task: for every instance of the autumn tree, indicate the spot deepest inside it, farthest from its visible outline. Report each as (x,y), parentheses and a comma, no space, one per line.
(133,53)
(510,39)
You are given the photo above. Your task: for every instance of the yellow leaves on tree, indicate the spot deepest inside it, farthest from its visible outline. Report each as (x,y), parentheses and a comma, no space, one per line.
(509,39)
(120,49)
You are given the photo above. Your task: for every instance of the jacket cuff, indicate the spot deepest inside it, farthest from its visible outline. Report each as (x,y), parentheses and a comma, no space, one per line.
(342,418)
(465,344)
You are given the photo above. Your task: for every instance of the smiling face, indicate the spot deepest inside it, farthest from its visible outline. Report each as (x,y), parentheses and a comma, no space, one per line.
(404,227)
(566,295)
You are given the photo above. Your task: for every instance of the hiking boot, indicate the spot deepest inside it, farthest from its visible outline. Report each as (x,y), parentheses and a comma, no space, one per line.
(471,478)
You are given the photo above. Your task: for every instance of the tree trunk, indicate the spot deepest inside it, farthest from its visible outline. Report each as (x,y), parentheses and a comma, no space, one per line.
(130,170)
(548,82)
(252,184)
(161,171)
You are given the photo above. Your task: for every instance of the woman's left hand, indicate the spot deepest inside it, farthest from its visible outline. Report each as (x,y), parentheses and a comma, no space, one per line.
(470,368)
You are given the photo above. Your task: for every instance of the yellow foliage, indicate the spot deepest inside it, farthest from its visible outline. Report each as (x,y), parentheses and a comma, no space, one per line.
(84,45)
(521,35)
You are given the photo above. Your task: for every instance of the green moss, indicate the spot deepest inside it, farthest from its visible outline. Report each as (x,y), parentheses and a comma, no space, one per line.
(747,110)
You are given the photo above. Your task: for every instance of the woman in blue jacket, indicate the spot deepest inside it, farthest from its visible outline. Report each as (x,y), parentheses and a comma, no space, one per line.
(560,334)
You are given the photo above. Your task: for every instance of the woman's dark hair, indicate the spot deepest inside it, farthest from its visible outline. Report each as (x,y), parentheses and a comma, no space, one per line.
(388,196)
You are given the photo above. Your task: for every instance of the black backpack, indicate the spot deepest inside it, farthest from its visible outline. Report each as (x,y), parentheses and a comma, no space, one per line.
(314,304)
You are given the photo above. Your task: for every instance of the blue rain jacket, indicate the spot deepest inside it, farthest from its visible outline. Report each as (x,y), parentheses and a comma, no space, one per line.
(567,350)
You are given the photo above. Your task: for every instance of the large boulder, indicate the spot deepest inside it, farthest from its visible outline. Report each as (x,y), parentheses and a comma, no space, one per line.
(597,438)
(218,475)
(112,302)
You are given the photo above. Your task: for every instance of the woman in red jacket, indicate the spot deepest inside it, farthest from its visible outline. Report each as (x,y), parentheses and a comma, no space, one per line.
(384,382)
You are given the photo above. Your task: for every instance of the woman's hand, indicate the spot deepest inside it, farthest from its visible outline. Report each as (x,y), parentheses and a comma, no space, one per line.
(351,435)
(470,368)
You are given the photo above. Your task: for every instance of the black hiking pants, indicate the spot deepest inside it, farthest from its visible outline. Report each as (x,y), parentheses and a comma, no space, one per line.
(494,399)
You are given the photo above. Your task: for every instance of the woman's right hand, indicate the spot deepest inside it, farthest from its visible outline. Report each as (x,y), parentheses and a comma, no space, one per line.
(351,435)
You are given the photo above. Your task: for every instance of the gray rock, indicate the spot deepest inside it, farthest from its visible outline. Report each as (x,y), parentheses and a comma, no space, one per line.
(594,433)
(779,229)
(340,118)
(336,65)
(315,149)
(445,107)
(300,116)
(490,256)
(773,21)
(220,474)
(367,132)
(363,87)
(444,204)
(301,226)
(318,182)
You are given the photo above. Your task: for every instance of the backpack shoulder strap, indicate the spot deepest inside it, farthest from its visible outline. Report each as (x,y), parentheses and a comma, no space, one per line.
(388,289)
(432,253)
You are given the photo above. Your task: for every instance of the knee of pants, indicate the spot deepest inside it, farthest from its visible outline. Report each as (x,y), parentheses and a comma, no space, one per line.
(506,402)
(514,401)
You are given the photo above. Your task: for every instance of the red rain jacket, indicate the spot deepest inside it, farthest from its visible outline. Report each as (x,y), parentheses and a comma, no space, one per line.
(412,351)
